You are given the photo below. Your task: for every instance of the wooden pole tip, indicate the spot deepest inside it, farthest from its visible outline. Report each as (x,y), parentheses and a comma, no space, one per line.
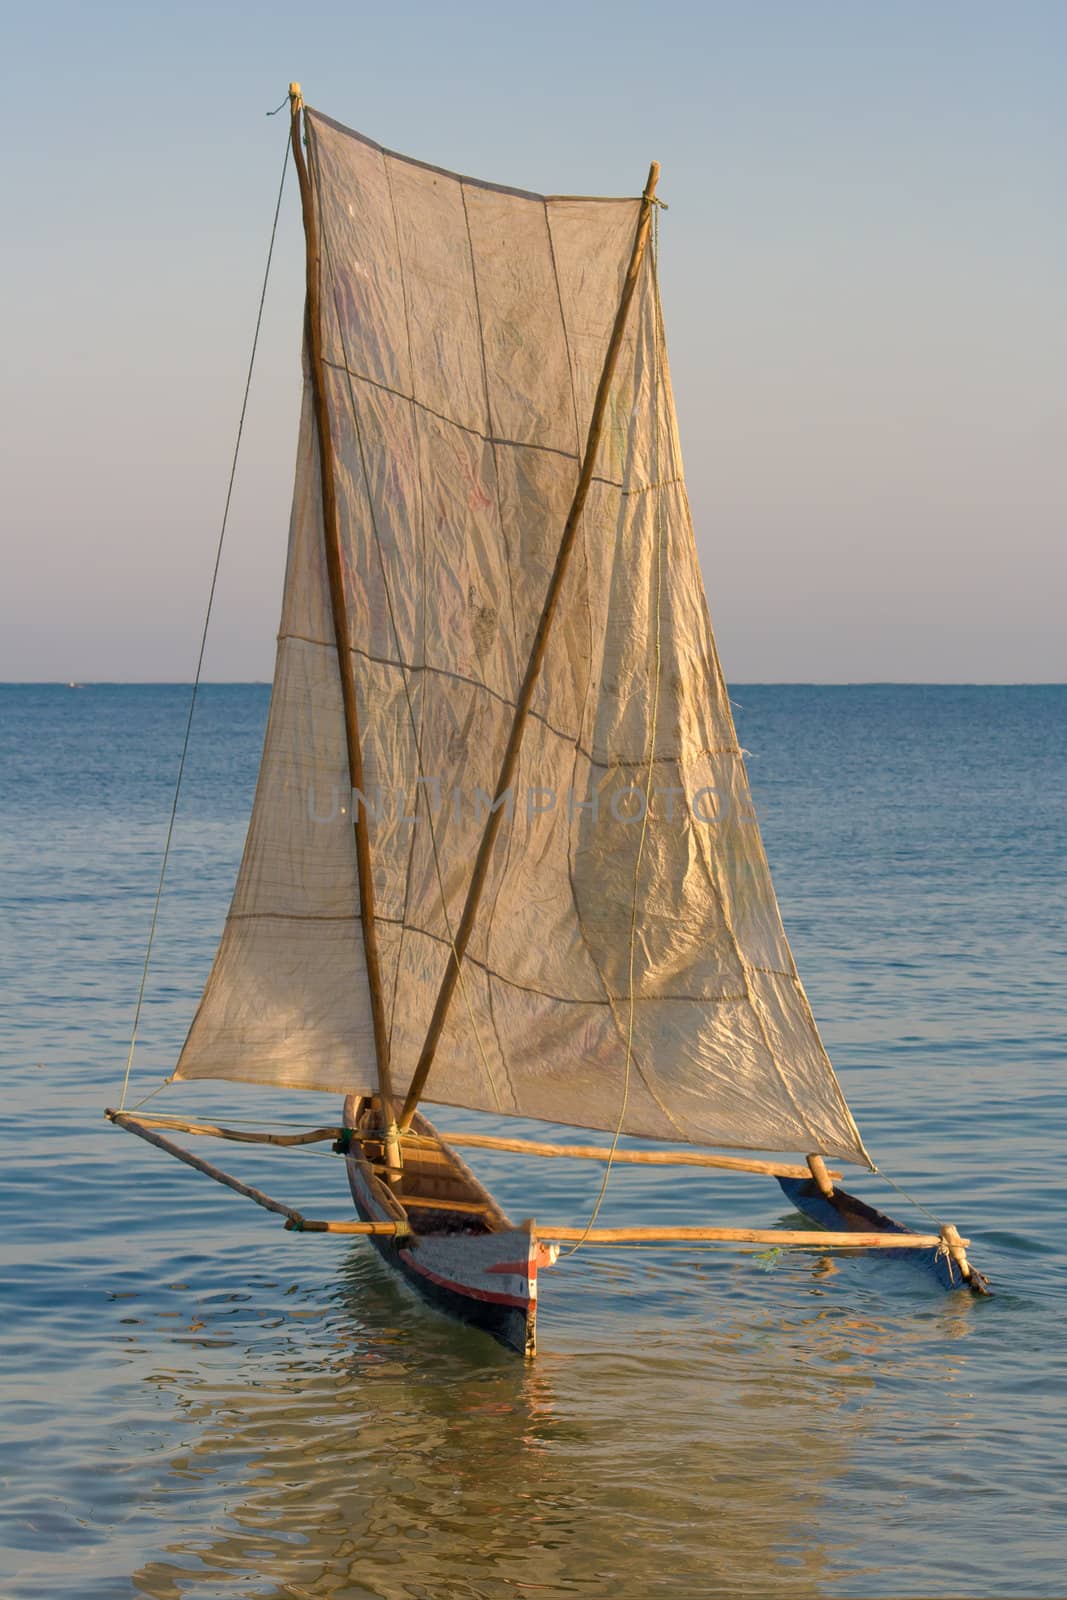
(653,179)
(956,1248)
(294,91)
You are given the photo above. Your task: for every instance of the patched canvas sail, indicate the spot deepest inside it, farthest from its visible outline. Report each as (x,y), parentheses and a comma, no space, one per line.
(465,330)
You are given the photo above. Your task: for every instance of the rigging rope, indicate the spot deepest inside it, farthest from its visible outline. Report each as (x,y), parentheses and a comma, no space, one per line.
(203,643)
(881,1173)
(658,346)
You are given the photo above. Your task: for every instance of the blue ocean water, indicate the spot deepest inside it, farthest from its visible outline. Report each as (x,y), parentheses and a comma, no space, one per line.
(197,1403)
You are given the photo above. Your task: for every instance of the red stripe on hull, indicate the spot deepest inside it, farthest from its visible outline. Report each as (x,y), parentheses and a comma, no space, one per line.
(518,1269)
(522,1304)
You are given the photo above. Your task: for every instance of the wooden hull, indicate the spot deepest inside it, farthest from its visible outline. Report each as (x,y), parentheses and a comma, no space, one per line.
(846,1212)
(480,1269)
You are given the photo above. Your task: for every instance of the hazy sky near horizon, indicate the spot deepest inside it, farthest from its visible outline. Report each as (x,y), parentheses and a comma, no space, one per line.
(864,268)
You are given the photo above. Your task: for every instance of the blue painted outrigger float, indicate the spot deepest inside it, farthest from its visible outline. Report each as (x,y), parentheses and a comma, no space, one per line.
(844,1212)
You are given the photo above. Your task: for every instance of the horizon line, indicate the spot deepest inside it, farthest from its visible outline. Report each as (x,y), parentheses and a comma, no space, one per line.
(750,683)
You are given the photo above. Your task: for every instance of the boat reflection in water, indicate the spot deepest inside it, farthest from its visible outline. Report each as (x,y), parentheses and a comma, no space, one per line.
(679,1437)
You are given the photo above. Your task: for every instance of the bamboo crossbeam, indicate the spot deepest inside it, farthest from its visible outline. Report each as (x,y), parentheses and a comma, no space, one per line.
(381,1229)
(485,1141)
(243,1136)
(524,698)
(649,1158)
(814,1239)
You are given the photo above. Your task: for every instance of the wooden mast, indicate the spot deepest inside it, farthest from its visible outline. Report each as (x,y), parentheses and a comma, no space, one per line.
(335,570)
(537,655)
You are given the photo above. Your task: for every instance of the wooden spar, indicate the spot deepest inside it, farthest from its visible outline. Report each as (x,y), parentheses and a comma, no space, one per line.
(241,1136)
(485,1141)
(335,571)
(815,1238)
(308,1225)
(524,698)
(812,1238)
(956,1248)
(651,1158)
(817,1168)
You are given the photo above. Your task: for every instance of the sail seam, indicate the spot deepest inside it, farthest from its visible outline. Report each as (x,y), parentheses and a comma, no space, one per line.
(409,871)
(647,488)
(632,1059)
(442,416)
(566,333)
(590,675)
(608,763)
(246,1076)
(727,998)
(594,680)
(491,910)
(488,438)
(583,537)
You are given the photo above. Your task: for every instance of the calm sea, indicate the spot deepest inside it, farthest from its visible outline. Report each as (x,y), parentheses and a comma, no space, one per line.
(200,1404)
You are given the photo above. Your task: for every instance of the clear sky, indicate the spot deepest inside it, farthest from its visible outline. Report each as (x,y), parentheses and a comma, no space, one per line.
(865,281)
